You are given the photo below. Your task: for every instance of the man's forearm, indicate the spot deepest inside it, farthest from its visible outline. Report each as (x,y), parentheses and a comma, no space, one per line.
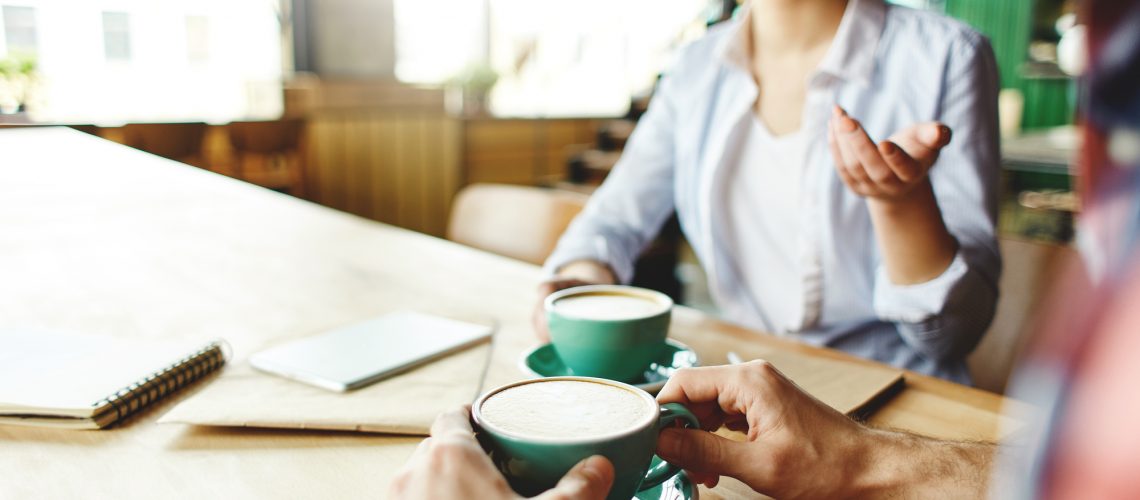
(901,465)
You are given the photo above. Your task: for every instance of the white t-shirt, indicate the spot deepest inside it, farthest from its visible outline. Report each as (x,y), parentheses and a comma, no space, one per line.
(763,200)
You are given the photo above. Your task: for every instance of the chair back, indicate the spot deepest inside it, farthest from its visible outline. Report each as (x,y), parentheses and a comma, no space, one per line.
(266,137)
(268,153)
(520,222)
(177,141)
(1029,271)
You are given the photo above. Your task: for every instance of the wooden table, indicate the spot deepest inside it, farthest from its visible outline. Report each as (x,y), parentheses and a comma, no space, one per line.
(100,238)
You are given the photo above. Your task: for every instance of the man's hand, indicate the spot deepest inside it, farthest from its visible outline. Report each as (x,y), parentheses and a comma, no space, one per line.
(891,170)
(450,464)
(797,446)
(578,273)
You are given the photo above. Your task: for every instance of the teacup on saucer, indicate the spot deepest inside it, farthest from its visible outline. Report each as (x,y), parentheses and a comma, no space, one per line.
(542,361)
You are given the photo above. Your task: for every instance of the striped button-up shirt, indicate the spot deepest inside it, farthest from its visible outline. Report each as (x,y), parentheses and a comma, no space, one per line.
(888,66)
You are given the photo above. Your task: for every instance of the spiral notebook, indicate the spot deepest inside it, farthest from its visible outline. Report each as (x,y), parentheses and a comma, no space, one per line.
(78,381)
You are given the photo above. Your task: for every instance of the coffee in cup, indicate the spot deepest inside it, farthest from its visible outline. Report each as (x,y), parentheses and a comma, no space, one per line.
(608,331)
(538,430)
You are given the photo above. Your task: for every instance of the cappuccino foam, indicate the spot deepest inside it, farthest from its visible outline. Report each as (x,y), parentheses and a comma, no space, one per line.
(607,306)
(565,409)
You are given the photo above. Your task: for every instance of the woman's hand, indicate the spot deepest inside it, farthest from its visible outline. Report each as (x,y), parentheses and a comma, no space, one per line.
(578,273)
(450,464)
(913,239)
(891,170)
(797,447)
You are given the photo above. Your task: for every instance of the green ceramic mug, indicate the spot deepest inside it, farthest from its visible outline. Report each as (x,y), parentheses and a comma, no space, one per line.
(536,433)
(608,331)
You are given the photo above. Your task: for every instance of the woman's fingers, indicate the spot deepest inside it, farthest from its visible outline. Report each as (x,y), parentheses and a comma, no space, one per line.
(890,168)
(867,154)
(904,167)
(923,141)
(833,144)
(842,127)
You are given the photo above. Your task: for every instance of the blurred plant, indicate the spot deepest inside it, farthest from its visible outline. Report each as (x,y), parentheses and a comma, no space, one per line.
(476,77)
(472,85)
(18,78)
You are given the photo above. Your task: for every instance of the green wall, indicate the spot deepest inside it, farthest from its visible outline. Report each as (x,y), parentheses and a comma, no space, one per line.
(1008,24)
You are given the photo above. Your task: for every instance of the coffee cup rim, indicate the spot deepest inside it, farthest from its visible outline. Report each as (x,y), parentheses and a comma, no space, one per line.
(650,418)
(663,300)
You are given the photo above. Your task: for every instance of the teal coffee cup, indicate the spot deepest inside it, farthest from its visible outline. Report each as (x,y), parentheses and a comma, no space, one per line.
(608,331)
(537,430)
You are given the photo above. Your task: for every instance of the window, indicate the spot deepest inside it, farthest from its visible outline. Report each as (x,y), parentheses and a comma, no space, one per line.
(116,36)
(435,41)
(197,39)
(20,29)
(112,62)
(583,57)
(552,57)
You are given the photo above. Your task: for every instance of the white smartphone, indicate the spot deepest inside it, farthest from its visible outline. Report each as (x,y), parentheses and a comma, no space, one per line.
(360,354)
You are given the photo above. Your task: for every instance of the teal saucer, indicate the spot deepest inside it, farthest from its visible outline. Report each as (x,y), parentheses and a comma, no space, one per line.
(542,361)
(678,487)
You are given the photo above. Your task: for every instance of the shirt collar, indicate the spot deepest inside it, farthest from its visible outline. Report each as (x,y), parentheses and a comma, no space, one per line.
(852,52)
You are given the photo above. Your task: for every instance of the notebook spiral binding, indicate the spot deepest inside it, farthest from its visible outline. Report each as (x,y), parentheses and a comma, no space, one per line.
(132,398)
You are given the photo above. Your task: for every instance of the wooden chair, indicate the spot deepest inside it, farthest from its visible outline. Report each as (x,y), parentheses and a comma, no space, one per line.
(1029,271)
(177,141)
(268,153)
(520,222)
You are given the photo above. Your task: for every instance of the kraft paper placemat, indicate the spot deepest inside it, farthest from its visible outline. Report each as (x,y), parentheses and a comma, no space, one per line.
(404,404)
(854,389)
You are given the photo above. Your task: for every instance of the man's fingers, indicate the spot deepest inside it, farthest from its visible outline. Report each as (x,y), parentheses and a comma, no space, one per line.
(455,422)
(703,452)
(590,479)
(708,479)
(695,385)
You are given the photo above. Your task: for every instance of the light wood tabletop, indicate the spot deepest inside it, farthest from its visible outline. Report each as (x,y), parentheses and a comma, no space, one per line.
(100,238)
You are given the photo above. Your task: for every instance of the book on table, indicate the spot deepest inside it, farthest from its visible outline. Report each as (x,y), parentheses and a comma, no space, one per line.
(78,381)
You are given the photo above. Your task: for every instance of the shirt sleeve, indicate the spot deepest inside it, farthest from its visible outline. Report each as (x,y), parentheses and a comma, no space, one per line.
(630,207)
(944,318)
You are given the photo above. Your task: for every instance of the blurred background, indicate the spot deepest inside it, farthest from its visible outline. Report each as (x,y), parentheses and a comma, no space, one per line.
(418,113)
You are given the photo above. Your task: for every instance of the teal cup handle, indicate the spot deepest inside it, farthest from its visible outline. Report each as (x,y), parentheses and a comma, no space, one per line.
(670,413)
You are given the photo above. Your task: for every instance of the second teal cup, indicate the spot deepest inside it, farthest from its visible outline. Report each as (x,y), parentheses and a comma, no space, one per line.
(535,463)
(608,331)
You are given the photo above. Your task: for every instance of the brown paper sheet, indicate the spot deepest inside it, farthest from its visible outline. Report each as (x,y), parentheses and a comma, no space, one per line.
(408,403)
(853,389)
(404,404)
